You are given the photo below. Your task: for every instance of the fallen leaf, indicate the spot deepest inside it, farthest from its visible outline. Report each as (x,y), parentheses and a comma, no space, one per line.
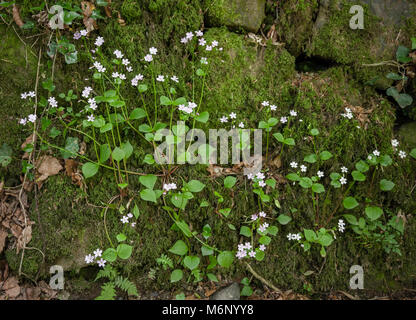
(47,166)
(16,16)
(107,9)
(11,287)
(87,10)
(3,237)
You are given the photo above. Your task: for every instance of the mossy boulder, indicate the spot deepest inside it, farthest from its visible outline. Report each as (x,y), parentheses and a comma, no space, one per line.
(237,14)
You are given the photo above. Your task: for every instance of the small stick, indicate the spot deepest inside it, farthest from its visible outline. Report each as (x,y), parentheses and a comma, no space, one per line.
(264,281)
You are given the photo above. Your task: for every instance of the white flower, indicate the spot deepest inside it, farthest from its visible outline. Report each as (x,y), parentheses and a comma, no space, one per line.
(293,113)
(376,153)
(118,54)
(341,225)
(224,119)
(86,92)
(192,105)
(148,58)
(254,217)
(344,169)
(160,78)
(23,96)
(99,41)
(136,79)
(92,103)
(262,184)
(23,121)
(98,253)
(122,76)
(204,60)
(262,214)
(99,66)
(260,175)
(320,174)
(402,154)
(395,143)
(283,119)
(185,109)
(247,246)
(369,157)
(184,40)
(124,220)
(252,254)
(89,259)
(265,103)
(129,69)
(31,94)
(83,32)
(294,164)
(130,215)
(202,42)
(214,43)
(303,168)
(153,51)
(250,176)
(133,224)
(233,115)
(199,33)
(101,263)
(262,247)
(169,186)
(31,118)
(115,74)
(241,125)
(263,227)
(125,62)
(90,118)
(208,48)
(174,79)
(343,180)
(52,102)
(273,107)
(189,35)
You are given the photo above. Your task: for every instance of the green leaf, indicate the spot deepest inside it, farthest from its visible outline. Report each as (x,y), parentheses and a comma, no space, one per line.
(136,211)
(89,169)
(279,137)
(394,76)
(48,85)
(413,43)
(203,117)
(195,186)
(5,155)
(200,72)
(148,180)
(305,182)
(124,251)
(180,296)
(325,155)
(107,127)
(314,132)
(176,275)
(137,113)
(225,259)
(402,54)
(229,182)
(105,153)
(212,277)
(284,219)
(184,228)
(312,158)
(121,237)
(246,291)
(413,153)
(245,231)
(373,213)
(318,188)
(362,166)
(179,248)
(293,177)
(71,148)
(358,176)
(110,255)
(165,101)
(385,160)
(350,203)
(351,219)
(386,185)
(289,141)
(69,16)
(191,262)
(272,230)
(118,154)
(148,195)
(310,235)
(142,88)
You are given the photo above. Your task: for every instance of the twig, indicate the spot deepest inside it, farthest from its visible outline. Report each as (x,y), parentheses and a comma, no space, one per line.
(264,281)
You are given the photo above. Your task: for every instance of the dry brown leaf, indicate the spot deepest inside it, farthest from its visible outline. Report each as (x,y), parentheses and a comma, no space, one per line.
(3,237)
(29,140)
(24,238)
(87,10)
(11,287)
(107,9)
(16,16)
(120,20)
(47,166)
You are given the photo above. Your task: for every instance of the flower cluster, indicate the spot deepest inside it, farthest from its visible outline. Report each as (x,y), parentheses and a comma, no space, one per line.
(257,178)
(187,108)
(348,114)
(294,236)
(247,250)
(25,95)
(341,225)
(169,186)
(97,257)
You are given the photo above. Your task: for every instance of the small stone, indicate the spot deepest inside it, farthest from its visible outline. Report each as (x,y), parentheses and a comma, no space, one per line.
(231,292)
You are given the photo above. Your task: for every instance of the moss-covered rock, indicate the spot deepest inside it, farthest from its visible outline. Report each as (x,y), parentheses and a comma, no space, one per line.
(237,14)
